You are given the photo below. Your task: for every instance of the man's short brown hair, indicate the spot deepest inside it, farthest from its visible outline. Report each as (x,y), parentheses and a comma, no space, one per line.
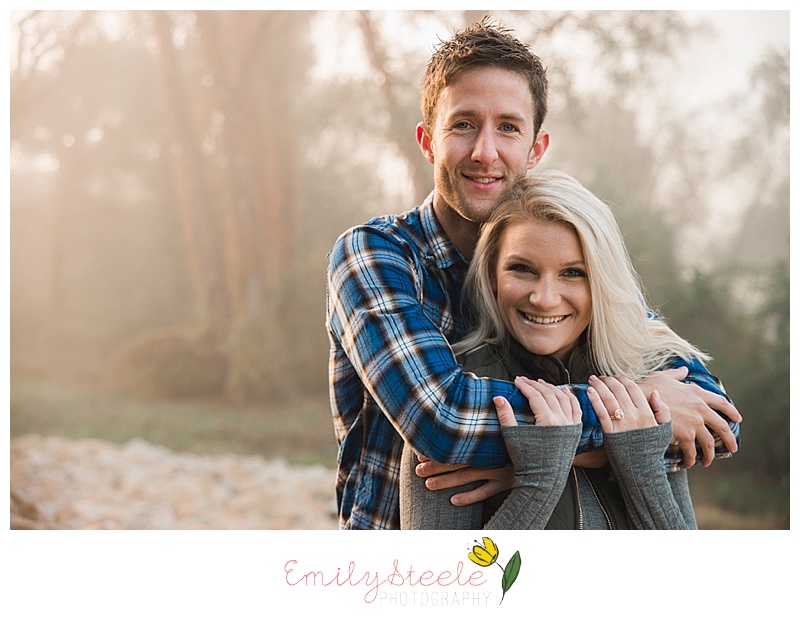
(483,45)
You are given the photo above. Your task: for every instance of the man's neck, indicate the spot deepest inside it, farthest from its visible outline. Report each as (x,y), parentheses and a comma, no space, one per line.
(463,233)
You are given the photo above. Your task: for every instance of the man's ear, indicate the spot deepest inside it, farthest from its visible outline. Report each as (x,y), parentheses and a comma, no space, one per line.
(425,141)
(539,148)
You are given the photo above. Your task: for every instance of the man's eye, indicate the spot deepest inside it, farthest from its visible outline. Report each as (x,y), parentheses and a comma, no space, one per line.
(508,127)
(462,125)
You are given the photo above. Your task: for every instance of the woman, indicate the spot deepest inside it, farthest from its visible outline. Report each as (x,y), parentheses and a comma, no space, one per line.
(556,300)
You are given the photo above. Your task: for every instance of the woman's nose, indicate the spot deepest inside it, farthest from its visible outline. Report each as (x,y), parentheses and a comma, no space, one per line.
(545,294)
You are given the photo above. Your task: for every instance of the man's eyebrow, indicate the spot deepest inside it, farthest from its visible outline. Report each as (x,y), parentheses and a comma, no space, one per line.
(470,113)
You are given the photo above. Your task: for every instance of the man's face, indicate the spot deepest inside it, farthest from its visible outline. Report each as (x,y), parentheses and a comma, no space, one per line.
(482,141)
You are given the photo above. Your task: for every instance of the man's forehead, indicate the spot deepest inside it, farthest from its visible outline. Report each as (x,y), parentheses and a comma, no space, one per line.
(505,94)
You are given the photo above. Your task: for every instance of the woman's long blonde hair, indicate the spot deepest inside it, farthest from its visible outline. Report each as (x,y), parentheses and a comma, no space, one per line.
(623,338)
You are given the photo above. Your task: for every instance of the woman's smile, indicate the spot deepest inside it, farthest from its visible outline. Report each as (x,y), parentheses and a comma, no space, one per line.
(543,320)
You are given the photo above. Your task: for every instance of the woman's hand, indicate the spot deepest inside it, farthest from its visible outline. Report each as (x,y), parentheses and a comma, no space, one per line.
(551,405)
(621,405)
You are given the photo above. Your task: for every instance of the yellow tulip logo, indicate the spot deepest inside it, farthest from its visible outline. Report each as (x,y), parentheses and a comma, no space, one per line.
(487,554)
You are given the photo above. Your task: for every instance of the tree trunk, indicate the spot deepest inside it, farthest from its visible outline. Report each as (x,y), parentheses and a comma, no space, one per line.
(192,189)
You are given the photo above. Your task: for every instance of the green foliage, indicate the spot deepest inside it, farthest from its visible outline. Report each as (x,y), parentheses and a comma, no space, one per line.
(750,345)
(263,360)
(280,354)
(173,362)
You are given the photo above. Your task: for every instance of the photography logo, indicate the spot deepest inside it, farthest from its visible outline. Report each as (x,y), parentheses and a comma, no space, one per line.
(401,581)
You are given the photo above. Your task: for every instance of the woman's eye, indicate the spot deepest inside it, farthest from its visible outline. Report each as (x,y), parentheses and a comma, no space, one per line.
(518,267)
(575,273)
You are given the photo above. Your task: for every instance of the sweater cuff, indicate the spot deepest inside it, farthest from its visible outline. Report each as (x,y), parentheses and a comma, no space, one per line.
(649,441)
(530,446)
(640,449)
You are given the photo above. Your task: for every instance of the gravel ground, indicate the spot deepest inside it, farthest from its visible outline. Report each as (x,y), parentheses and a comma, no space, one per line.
(59,483)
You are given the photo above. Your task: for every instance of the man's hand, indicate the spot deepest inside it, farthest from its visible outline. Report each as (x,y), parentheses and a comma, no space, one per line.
(441,476)
(694,414)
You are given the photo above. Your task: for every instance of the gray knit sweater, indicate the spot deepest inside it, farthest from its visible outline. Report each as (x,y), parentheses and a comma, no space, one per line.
(542,458)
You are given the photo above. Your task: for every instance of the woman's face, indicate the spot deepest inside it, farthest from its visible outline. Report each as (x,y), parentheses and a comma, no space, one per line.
(542,288)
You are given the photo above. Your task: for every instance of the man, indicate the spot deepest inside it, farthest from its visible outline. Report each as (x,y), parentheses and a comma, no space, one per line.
(394,294)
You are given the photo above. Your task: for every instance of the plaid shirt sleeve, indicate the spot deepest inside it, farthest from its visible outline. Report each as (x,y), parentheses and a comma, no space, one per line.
(401,357)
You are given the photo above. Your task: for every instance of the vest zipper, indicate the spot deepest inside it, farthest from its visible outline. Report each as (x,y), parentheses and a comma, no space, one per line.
(599,503)
(578,498)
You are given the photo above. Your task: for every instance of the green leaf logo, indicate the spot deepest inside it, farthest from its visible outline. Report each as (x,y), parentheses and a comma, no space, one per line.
(510,573)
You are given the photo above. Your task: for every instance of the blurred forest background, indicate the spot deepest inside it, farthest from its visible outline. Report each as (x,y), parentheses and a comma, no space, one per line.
(177,179)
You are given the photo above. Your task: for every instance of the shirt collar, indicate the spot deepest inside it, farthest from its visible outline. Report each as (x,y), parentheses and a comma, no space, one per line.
(441,248)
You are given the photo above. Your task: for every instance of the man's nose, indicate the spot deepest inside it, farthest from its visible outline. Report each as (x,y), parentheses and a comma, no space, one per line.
(485,150)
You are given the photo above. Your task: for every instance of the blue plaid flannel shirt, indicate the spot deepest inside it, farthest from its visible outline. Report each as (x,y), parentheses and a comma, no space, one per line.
(393,305)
